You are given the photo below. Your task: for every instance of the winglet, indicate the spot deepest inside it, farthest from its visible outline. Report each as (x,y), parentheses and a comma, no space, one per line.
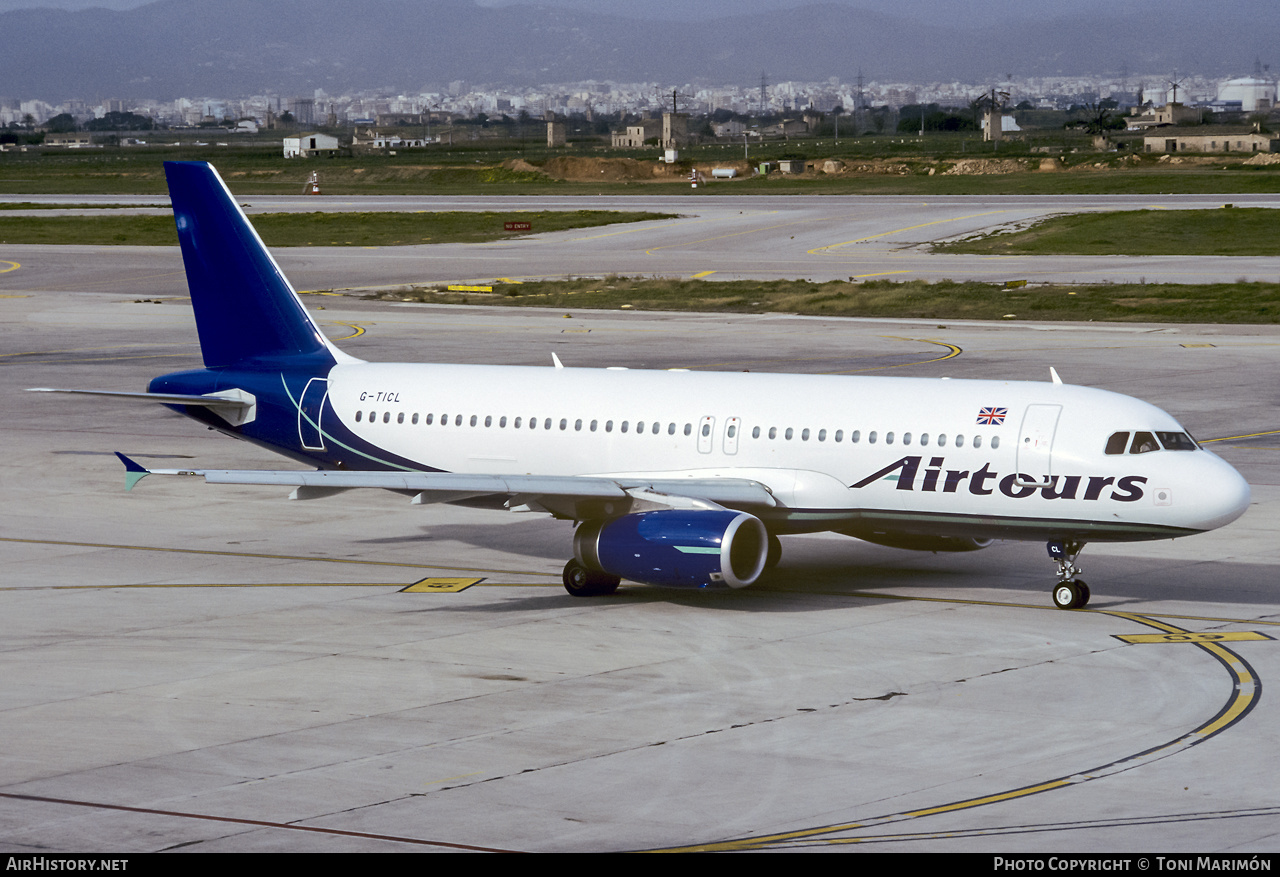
(556,360)
(133,472)
(1053,373)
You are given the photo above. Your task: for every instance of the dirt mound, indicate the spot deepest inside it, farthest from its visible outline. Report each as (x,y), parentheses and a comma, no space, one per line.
(521,166)
(1264,158)
(583,168)
(979,166)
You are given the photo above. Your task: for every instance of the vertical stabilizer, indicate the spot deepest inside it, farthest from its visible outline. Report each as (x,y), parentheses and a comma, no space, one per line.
(245,309)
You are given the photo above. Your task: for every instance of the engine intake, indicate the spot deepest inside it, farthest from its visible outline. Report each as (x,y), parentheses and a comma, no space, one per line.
(676,547)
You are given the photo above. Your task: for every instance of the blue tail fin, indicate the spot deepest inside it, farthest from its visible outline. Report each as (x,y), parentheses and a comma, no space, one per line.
(245,309)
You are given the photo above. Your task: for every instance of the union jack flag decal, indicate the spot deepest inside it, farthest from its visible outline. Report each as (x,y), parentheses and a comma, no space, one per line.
(992,416)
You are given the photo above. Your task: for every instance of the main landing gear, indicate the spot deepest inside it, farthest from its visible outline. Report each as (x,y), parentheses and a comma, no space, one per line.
(1069,592)
(582,582)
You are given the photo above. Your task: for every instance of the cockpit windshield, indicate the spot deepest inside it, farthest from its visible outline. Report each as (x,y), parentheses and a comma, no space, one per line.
(1146,442)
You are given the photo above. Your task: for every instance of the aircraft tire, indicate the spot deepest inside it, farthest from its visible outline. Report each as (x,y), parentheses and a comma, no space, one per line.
(1068,595)
(1065,595)
(775,552)
(582,582)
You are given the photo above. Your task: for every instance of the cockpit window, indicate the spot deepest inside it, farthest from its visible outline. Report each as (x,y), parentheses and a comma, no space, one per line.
(1143,443)
(1176,441)
(1117,443)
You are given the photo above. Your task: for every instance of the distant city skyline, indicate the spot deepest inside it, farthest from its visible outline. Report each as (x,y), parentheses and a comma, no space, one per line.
(173,48)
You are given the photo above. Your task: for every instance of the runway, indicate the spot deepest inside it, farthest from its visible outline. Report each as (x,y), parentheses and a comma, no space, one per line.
(716,237)
(194,668)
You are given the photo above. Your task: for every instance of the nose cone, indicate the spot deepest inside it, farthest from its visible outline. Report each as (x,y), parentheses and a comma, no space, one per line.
(1223,495)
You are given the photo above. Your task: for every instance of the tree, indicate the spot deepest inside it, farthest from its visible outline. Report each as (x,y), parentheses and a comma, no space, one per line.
(63,123)
(117,121)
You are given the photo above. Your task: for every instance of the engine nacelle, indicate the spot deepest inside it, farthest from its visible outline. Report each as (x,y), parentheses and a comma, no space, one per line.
(676,547)
(918,542)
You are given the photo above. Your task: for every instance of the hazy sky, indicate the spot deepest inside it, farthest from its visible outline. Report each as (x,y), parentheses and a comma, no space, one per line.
(971,11)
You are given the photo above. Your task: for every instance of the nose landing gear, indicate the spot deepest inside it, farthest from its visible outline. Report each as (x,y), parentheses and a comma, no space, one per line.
(1070,592)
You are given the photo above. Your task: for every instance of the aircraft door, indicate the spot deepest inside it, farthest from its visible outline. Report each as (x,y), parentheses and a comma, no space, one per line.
(732,426)
(317,390)
(706,434)
(1035,441)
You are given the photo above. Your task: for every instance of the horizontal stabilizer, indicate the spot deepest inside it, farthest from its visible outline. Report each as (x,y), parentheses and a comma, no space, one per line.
(235,406)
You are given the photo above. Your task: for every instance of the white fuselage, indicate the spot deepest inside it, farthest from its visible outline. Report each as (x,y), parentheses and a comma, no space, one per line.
(814,441)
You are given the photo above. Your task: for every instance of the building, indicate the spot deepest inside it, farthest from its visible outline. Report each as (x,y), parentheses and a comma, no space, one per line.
(1210,138)
(1255,93)
(307,145)
(556,135)
(68,141)
(371,140)
(1169,114)
(636,135)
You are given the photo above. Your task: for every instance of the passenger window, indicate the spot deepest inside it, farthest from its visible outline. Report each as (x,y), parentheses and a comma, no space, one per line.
(1117,443)
(430,419)
(533,423)
(359,414)
(624,425)
(733,430)
(577,426)
(888,438)
(502,422)
(516,425)
(564,424)
(977,441)
(593,425)
(755,432)
(855,436)
(474,420)
(608,426)
(788,434)
(906,438)
(671,429)
(1143,443)
(839,435)
(773,432)
(400,417)
(942,439)
(639,427)
(822,435)
(546,424)
(995,442)
(804,435)
(959,441)
(386,417)
(415,418)
(688,429)
(706,429)
(871,437)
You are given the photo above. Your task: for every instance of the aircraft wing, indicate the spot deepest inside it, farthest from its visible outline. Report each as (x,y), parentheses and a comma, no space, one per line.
(568,496)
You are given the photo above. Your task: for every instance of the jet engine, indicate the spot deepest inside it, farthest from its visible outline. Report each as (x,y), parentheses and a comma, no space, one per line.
(696,548)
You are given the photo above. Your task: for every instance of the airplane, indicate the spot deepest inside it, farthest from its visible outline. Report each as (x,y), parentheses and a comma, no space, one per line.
(674,478)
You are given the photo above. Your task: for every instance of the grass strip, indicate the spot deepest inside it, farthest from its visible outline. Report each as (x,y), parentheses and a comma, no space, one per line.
(32,205)
(943,300)
(1251,231)
(316,229)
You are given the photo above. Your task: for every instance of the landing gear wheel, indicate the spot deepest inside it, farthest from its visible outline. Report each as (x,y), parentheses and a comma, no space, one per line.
(1071,595)
(775,552)
(582,582)
(1084,594)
